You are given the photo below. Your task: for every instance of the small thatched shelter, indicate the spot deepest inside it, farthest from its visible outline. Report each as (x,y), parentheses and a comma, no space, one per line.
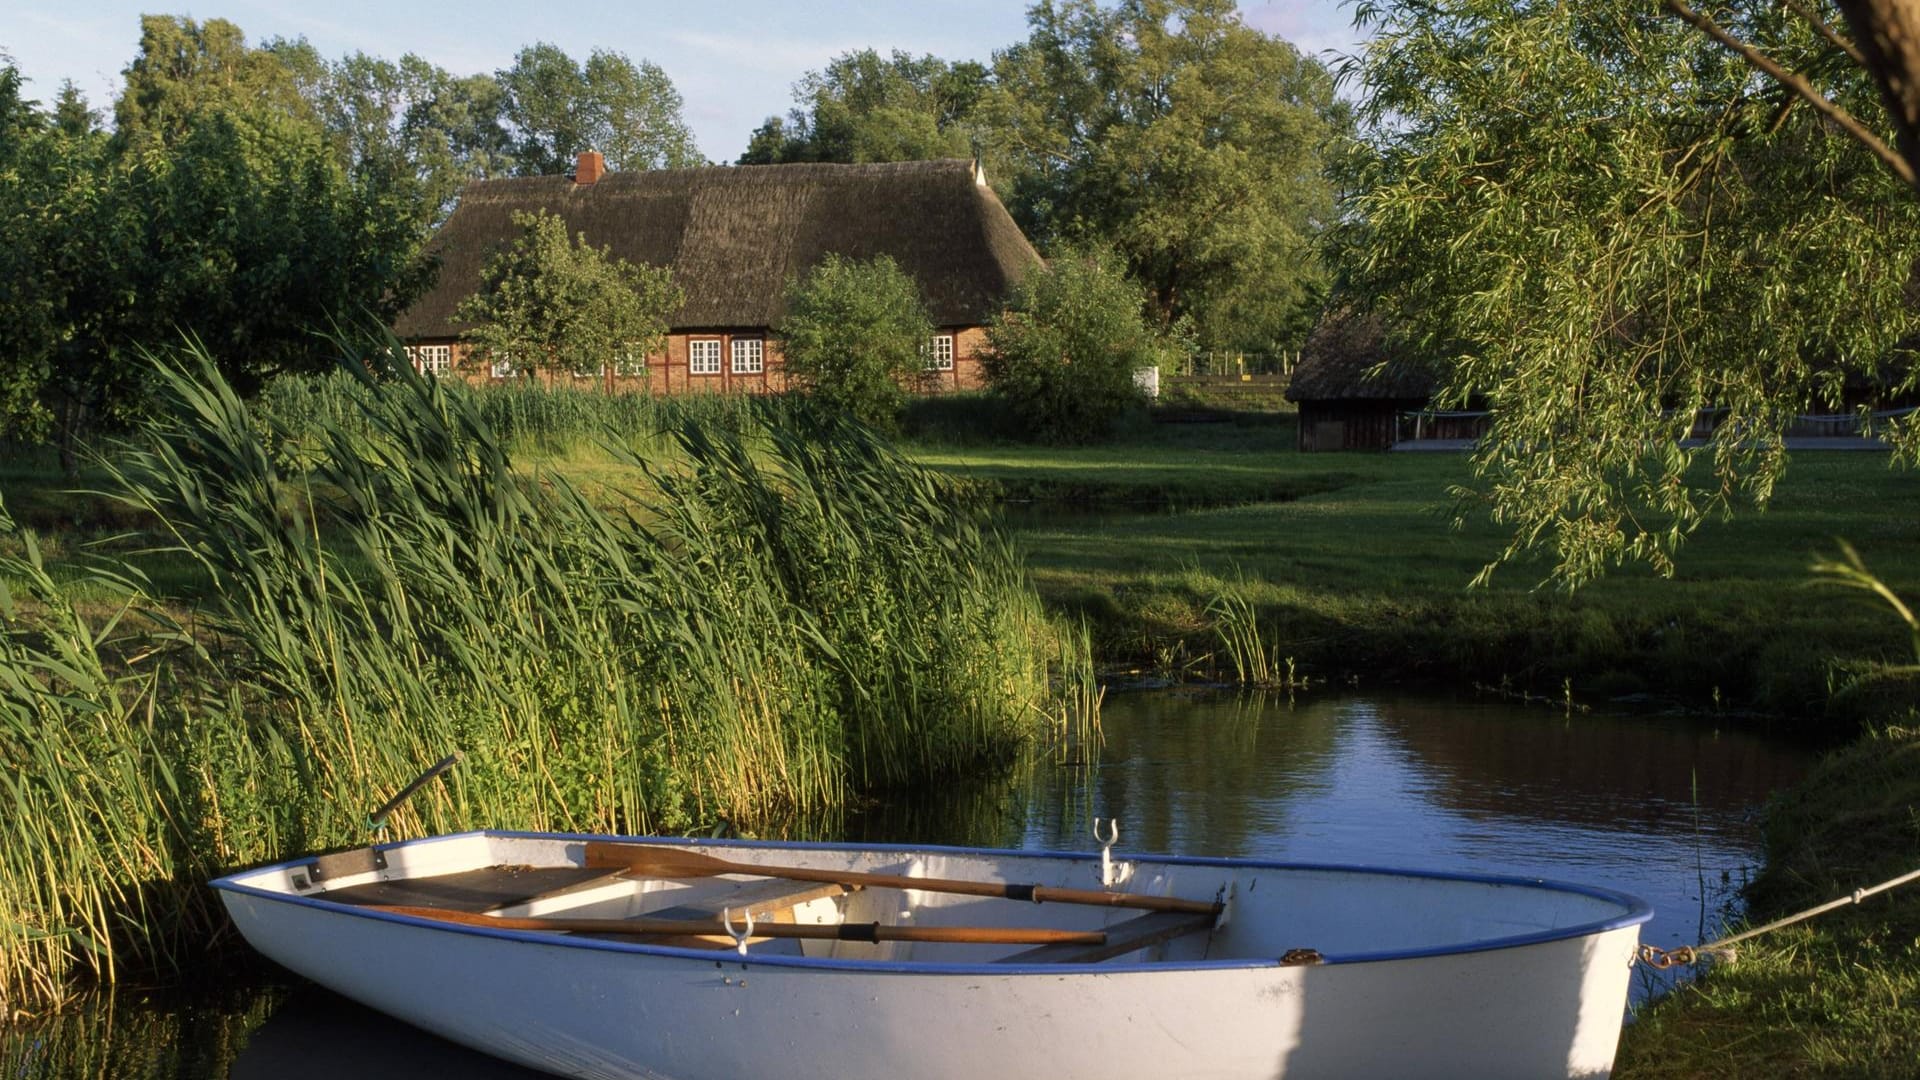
(1350,391)
(734,236)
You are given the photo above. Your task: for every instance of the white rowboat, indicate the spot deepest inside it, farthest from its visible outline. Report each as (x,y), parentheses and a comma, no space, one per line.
(613,957)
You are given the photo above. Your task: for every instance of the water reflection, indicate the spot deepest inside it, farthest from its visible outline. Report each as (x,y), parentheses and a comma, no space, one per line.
(321,1036)
(1657,808)
(1663,809)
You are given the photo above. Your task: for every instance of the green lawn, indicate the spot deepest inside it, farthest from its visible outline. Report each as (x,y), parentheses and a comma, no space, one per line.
(1354,562)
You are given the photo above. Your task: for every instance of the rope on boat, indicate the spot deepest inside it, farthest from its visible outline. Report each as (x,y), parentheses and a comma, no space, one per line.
(1656,957)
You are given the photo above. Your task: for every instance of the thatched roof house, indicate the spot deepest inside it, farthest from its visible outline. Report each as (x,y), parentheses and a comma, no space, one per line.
(1351,390)
(734,236)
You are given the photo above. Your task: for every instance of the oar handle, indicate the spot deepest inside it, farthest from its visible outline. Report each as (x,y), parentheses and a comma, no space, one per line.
(869,932)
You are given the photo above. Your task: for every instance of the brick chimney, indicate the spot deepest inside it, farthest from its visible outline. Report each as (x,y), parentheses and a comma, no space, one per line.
(591,166)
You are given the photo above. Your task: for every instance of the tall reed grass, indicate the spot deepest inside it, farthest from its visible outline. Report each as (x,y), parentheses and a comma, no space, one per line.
(790,614)
(525,415)
(1236,622)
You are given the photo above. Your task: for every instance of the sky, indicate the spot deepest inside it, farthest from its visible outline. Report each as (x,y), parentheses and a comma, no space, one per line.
(734,63)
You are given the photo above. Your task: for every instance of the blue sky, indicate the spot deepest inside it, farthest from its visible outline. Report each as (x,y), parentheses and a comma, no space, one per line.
(734,63)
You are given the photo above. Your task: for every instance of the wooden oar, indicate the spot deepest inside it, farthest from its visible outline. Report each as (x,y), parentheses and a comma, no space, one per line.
(662,860)
(870,932)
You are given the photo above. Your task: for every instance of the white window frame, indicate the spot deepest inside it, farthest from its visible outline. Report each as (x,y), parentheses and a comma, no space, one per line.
(431,359)
(703,356)
(630,362)
(940,353)
(503,366)
(749,355)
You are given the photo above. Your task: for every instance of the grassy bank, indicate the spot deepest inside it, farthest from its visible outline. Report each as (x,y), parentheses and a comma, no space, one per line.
(1357,573)
(759,626)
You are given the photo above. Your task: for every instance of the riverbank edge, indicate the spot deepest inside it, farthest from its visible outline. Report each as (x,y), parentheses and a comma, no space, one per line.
(1838,995)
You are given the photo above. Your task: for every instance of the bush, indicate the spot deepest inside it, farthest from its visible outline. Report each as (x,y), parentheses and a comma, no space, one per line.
(1064,353)
(854,334)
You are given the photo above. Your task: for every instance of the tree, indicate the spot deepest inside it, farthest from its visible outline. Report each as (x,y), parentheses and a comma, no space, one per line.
(217,210)
(186,69)
(557,108)
(555,303)
(72,114)
(1064,353)
(866,107)
(1605,223)
(854,333)
(408,134)
(1885,48)
(27,303)
(1188,141)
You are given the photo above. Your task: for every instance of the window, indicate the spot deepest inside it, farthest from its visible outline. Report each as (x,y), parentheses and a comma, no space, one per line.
(503,367)
(703,356)
(940,353)
(431,359)
(749,356)
(631,362)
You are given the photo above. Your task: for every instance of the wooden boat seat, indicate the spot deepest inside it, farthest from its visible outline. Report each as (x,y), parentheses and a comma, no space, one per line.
(1132,935)
(486,889)
(770,899)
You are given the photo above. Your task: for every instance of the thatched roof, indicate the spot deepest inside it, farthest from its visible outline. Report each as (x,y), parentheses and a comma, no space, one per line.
(734,235)
(1342,360)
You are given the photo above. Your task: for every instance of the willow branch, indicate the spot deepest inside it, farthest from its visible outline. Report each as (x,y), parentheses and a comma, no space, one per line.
(1826,30)
(1799,85)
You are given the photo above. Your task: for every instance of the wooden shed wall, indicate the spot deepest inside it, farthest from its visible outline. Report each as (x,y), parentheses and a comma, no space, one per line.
(1363,424)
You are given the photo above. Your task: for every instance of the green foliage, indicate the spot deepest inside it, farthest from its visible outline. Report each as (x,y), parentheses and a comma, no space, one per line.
(557,107)
(1185,139)
(527,417)
(216,210)
(854,332)
(32,167)
(408,133)
(185,70)
(1064,353)
(1599,221)
(555,303)
(866,107)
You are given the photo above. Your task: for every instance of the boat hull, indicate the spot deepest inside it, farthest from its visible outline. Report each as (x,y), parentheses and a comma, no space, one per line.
(1533,1008)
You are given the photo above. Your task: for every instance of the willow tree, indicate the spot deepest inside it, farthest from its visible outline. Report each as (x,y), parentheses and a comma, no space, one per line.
(1603,220)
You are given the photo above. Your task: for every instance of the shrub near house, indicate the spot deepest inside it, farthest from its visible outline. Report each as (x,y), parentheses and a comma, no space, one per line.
(1064,353)
(855,333)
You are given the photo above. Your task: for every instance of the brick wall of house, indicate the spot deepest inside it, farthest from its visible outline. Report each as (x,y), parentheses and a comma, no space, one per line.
(669,371)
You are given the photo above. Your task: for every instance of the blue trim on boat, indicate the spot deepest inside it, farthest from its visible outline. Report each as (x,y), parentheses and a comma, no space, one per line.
(1637,911)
